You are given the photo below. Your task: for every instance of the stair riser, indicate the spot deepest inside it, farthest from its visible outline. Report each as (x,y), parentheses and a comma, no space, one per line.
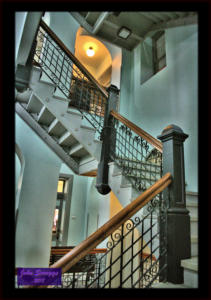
(194,249)
(191,197)
(193,211)
(194,228)
(190,278)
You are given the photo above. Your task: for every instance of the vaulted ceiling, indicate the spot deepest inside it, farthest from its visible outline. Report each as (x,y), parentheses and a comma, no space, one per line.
(141,24)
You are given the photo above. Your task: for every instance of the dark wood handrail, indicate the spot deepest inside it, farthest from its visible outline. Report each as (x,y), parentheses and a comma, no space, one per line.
(76,254)
(72,57)
(150,139)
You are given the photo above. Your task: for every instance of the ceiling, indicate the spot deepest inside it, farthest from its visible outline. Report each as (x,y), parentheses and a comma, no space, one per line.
(106,25)
(98,65)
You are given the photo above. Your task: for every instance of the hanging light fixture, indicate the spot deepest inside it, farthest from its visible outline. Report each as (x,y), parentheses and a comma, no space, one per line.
(124,32)
(90,51)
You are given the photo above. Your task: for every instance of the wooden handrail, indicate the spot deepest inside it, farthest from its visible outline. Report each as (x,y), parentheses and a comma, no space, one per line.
(76,254)
(72,57)
(64,250)
(150,139)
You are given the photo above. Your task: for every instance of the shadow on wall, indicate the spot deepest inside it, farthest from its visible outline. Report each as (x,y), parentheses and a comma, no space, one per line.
(19,169)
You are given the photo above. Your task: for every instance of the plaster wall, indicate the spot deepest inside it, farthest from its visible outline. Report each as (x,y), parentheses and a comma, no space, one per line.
(65,27)
(77,222)
(20,18)
(97,209)
(37,198)
(168,97)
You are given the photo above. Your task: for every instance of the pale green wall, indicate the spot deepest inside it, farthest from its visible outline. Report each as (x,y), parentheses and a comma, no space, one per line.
(97,208)
(37,198)
(20,18)
(170,96)
(77,223)
(65,27)
(85,200)
(17,170)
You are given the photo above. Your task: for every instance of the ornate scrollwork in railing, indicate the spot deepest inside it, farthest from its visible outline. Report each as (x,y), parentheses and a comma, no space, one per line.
(138,159)
(134,258)
(69,78)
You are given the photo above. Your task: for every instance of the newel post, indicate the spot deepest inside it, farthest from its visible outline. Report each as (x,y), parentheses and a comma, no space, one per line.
(177,220)
(108,141)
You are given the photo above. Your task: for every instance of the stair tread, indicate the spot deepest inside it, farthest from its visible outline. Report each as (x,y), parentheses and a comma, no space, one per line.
(191,193)
(191,204)
(74,113)
(194,238)
(87,127)
(169,285)
(190,263)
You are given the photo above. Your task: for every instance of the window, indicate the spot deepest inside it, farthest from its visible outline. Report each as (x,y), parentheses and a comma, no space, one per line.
(159,51)
(55,220)
(153,55)
(60,186)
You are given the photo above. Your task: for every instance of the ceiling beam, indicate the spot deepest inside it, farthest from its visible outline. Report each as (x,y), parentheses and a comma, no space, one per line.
(81,20)
(92,29)
(182,21)
(100,21)
(149,16)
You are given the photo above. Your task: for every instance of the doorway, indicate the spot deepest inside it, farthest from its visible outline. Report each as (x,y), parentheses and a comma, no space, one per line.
(61,217)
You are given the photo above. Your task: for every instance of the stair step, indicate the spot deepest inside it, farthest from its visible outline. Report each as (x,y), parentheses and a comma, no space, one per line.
(117,174)
(45,79)
(190,266)
(56,128)
(88,164)
(194,245)
(45,117)
(191,197)
(67,139)
(194,226)
(193,208)
(74,112)
(59,95)
(78,151)
(23,97)
(168,285)
(190,263)
(88,128)
(34,105)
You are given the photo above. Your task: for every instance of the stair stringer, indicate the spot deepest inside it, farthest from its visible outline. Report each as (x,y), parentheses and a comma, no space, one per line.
(59,108)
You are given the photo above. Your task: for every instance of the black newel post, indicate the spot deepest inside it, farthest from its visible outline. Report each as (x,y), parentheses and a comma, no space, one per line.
(108,141)
(177,220)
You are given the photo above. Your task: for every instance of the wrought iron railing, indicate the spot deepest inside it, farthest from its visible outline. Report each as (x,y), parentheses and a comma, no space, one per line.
(86,273)
(136,155)
(135,256)
(70,77)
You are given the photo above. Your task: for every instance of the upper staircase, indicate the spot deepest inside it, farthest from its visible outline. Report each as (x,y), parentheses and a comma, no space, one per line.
(68,114)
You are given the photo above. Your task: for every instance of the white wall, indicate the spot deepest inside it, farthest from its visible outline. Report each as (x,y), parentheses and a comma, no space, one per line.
(97,208)
(168,97)
(20,18)
(65,27)
(37,198)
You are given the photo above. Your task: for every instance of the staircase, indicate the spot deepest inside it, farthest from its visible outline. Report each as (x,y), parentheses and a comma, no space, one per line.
(69,133)
(191,265)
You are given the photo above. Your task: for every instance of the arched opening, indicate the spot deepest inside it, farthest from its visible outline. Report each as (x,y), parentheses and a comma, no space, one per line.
(99,63)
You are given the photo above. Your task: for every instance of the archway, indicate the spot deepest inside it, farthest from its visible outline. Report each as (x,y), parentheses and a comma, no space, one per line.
(100,63)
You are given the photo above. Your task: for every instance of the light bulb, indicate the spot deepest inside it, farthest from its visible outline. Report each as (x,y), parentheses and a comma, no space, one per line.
(90,51)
